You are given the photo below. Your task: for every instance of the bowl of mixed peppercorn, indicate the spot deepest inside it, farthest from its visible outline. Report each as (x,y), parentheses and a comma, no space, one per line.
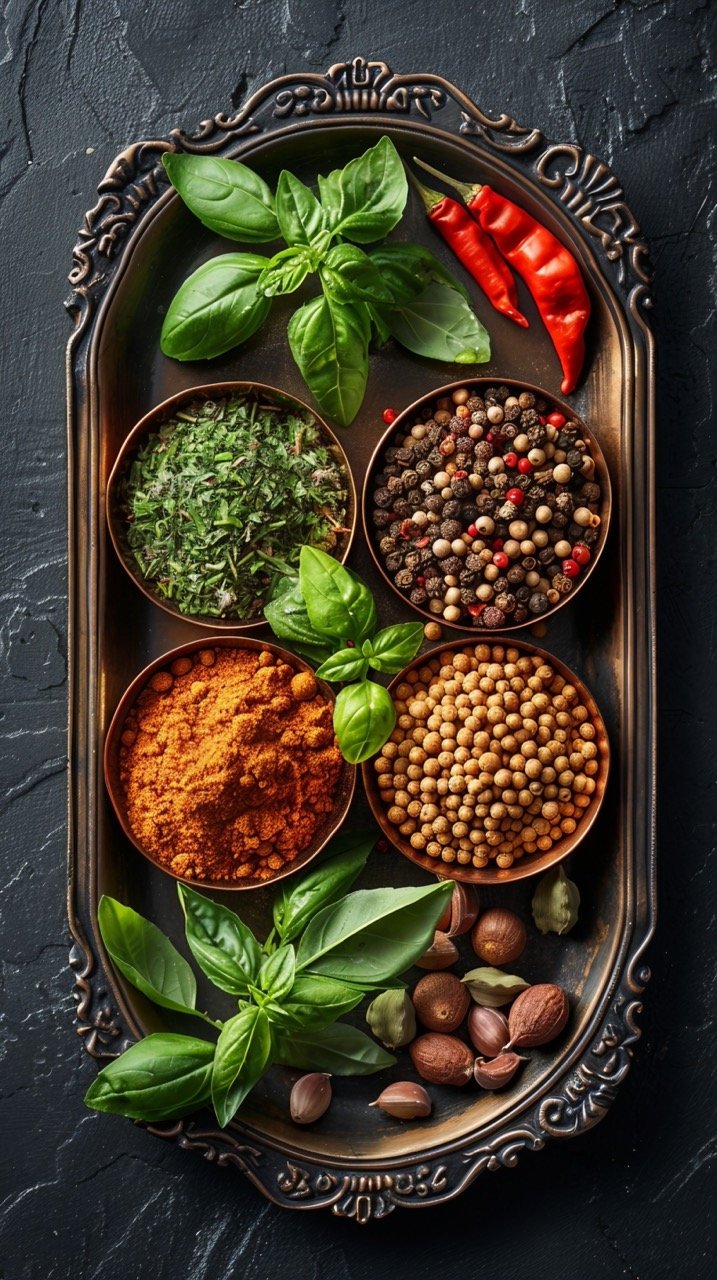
(486,505)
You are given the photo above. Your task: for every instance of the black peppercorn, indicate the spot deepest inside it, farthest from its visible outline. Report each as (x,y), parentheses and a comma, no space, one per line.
(468,596)
(422,450)
(545,555)
(434,503)
(415,497)
(387,545)
(590,492)
(520,614)
(466,577)
(410,478)
(382,498)
(560,520)
(538,602)
(564,502)
(537,435)
(515,575)
(562,583)
(492,617)
(473,563)
(380,519)
(529,562)
(483,451)
(574,459)
(394,561)
(412,559)
(404,456)
(418,596)
(402,508)
(452,565)
(450,529)
(474,402)
(461,486)
(451,511)
(423,469)
(522,594)
(435,588)
(404,579)
(512,413)
(436,459)
(589,536)
(505,601)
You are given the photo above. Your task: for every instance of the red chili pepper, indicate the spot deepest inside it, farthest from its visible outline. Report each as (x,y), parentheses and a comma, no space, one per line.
(475,250)
(546,265)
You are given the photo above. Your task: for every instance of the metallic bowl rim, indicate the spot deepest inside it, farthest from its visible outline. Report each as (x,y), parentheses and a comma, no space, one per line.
(532,864)
(346,785)
(153,419)
(605,506)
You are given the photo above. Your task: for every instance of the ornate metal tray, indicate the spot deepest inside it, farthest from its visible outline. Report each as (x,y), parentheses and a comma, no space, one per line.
(135,245)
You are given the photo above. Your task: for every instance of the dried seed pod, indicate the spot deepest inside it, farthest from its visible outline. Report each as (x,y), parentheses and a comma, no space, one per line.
(493,988)
(498,1072)
(441,954)
(488,1030)
(310,1097)
(404,1100)
(538,1015)
(499,936)
(442,1059)
(392,1019)
(460,914)
(441,1001)
(555,902)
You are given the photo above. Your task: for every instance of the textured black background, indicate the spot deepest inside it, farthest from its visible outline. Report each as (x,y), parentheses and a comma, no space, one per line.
(88,1196)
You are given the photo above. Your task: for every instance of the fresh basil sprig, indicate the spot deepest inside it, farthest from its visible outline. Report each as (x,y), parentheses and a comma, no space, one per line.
(329,607)
(397,290)
(333,947)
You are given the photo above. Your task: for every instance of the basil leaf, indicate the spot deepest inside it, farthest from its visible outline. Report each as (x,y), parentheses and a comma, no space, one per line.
(314,1003)
(365,200)
(406,270)
(338,603)
(301,218)
(225,195)
(340,1049)
(241,1058)
(393,647)
(162,1077)
(146,958)
(329,342)
(222,945)
(276,976)
(372,935)
(347,273)
(379,329)
(439,324)
(218,306)
(298,900)
(364,717)
(286,271)
(289,620)
(345,664)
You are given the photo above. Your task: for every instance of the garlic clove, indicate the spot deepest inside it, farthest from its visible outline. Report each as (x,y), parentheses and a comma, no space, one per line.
(441,954)
(404,1100)
(497,1073)
(488,1030)
(310,1097)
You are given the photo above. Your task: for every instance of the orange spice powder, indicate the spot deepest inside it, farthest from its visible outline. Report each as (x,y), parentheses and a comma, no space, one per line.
(228,764)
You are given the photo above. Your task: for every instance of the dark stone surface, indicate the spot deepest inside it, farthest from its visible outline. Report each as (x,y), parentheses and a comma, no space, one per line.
(89,1196)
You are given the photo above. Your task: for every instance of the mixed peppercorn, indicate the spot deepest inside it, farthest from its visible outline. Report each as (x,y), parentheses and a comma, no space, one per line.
(485,511)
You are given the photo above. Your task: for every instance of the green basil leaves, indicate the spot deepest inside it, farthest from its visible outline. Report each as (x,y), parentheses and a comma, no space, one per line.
(332,608)
(397,290)
(333,947)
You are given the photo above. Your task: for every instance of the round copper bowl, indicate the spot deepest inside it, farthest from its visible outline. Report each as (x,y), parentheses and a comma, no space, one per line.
(150,423)
(344,788)
(531,864)
(405,420)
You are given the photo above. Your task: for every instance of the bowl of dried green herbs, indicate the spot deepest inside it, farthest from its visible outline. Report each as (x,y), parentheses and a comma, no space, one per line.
(215,491)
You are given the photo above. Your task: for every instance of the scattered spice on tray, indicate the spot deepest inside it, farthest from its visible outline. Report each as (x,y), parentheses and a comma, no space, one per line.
(228,764)
(220,499)
(486,508)
(494,757)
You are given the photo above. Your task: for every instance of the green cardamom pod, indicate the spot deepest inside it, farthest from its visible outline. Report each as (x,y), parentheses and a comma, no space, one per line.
(492,988)
(555,902)
(392,1018)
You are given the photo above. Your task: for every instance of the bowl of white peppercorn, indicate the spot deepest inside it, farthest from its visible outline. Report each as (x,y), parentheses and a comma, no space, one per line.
(486,505)
(498,764)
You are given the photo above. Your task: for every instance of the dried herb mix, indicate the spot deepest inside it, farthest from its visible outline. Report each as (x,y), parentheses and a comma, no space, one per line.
(219,501)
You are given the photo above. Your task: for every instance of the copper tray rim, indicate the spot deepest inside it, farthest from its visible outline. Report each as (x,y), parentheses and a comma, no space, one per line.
(156,417)
(532,864)
(345,786)
(580,190)
(597,455)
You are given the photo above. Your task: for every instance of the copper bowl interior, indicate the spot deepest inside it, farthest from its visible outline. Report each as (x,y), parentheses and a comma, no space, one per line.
(405,420)
(149,424)
(344,790)
(530,864)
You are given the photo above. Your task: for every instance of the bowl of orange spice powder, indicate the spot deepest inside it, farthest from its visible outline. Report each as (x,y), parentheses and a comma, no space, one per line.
(222,765)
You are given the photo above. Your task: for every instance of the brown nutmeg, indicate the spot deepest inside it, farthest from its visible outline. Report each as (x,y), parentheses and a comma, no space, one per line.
(441,1001)
(538,1015)
(499,936)
(441,954)
(442,1059)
